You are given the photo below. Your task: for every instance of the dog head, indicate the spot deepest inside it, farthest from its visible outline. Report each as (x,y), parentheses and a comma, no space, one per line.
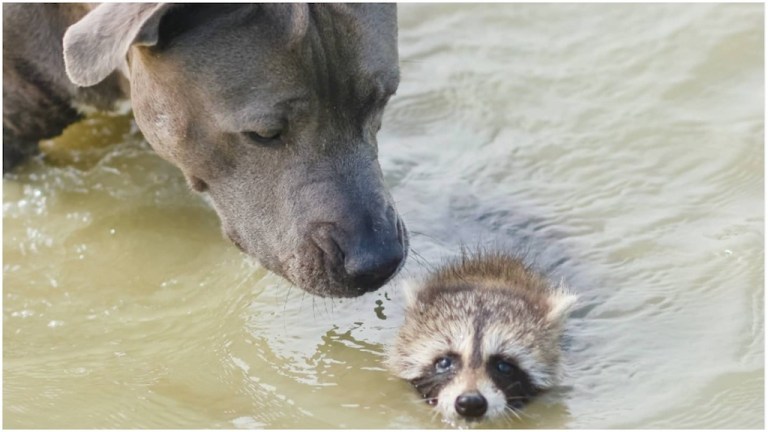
(271,111)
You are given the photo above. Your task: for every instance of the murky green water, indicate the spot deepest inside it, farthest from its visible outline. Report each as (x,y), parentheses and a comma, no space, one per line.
(621,145)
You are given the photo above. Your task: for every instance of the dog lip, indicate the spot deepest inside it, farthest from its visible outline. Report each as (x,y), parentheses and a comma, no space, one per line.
(197,184)
(236,240)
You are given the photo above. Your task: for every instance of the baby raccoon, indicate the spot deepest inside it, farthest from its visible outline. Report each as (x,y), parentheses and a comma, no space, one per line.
(481,336)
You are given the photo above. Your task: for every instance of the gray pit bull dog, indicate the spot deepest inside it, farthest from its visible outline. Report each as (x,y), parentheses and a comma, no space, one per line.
(269,110)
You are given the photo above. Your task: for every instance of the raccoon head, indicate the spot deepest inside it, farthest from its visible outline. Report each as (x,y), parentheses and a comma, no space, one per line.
(476,352)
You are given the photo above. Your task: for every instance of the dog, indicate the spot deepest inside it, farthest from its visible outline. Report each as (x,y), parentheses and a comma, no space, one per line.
(270,111)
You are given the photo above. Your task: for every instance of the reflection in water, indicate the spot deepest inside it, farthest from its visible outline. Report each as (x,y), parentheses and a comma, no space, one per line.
(619,146)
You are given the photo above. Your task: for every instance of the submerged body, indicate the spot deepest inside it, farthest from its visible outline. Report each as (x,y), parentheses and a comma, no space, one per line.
(482,336)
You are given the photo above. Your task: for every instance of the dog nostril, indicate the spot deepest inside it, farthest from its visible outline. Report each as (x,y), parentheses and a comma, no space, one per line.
(323,238)
(471,404)
(371,271)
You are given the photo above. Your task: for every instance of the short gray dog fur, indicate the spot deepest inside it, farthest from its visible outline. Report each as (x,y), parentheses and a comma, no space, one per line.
(269,110)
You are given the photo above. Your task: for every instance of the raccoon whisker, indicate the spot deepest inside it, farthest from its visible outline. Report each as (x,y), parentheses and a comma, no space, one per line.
(517,412)
(516,397)
(506,416)
(510,415)
(426,385)
(524,415)
(419,402)
(509,410)
(435,415)
(424,400)
(512,387)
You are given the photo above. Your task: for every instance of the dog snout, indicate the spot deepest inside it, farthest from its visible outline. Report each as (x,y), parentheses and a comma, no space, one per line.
(366,258)
(471,404)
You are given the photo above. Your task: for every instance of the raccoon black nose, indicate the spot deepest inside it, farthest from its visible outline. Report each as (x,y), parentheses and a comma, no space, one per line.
(471,404)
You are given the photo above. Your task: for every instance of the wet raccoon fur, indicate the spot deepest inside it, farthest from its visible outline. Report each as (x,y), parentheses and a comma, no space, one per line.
(482,336)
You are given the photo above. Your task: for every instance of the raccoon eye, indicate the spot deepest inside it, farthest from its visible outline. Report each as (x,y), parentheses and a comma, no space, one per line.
(505,367)
(443,364)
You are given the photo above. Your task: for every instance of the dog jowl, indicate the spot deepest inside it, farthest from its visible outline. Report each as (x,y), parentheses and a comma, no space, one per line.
(269,110)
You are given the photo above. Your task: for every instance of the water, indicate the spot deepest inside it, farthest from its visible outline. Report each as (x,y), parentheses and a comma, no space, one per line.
(622,146)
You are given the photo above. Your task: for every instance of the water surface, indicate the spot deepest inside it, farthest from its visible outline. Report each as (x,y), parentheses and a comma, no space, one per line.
(620,145)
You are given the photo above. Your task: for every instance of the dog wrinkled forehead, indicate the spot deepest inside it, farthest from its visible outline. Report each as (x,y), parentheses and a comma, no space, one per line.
(376,26)
(372,27)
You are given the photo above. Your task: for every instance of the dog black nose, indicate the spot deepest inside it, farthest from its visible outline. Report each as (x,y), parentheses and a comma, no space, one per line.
(369,268)
(366,260)
(471,404)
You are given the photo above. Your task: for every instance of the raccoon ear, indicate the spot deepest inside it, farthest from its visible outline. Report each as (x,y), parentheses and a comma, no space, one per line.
(560,302)
(411,290)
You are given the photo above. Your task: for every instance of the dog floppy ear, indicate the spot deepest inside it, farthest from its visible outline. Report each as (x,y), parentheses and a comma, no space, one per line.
(97,44)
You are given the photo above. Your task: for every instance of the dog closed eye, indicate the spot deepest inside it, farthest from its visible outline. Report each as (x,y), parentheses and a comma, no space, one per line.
(265,138)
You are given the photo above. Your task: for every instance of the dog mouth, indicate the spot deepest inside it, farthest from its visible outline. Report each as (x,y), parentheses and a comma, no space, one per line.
(236,240)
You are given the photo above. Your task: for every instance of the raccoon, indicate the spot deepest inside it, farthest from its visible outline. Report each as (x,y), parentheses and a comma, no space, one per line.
(482,336)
